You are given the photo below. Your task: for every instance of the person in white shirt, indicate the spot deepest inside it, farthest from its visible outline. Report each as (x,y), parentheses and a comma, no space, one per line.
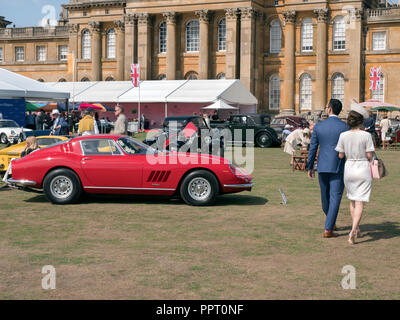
(385,125)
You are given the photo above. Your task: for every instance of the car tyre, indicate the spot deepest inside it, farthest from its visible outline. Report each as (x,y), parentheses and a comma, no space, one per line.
(62,186)
(199,188)
(3,138)
(264,140)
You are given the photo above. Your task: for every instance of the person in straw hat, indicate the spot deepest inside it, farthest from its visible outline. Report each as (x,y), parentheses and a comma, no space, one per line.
(358,148)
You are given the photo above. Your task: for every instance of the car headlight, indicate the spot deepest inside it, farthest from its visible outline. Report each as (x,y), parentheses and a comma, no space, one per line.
(207,139)
(238,172)
(13,132)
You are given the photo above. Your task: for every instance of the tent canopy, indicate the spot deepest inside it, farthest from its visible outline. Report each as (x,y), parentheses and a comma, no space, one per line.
(220,105)
(13,85)
(160,91)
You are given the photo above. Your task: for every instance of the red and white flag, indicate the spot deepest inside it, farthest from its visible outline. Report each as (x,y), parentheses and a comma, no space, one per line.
(135,74)
(375,75)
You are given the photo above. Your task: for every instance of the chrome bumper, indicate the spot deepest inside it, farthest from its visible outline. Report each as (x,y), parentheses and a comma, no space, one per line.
(24,183)
(249,185)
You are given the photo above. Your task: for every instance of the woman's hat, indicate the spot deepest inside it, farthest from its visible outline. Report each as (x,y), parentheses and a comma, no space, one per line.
(361,110)
(55,111)
(306,131)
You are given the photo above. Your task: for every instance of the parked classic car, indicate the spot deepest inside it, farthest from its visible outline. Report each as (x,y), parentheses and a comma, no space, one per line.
(187,130)
(296,122)
(264,135)
(121,165)
(15,151)
(10,132)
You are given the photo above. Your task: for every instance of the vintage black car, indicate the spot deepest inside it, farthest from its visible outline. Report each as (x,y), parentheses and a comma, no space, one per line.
(259,125)
(187,133)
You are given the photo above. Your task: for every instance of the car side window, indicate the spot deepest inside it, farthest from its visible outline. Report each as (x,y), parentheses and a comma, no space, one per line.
(236,120)
(250,121)
(102,147)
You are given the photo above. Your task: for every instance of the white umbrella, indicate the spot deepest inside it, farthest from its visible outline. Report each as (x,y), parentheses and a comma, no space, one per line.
(220,105)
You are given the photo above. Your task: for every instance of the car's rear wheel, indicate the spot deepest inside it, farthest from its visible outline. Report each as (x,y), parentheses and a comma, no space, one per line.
(199,188)
(3,138)
(62,186)
(264,140)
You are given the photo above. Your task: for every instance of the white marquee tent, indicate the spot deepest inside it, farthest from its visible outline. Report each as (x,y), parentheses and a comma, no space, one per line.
(13,85)
(160,91)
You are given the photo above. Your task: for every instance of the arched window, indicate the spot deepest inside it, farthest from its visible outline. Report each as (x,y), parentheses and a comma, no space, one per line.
(380,93)
(191,75)
(338,87)
(62,80)
(162,77)
(221,76)
(86,45)
(274,92)
(85,79)
(109,79)
(163,37)
(306,35)
(339,33)
(192,36)
(305,92)
(275,37)
(111,43)
(222,35)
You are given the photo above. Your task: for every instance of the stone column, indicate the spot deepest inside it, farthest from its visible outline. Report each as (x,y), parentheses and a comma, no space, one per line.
(171,18)
(120,30)
(95,27)
(73,46)
(321,92)
(354,43)
(144,45)
(232,67)
(247,47)
(130,40)
(204,54)
(289,76)
(259,60)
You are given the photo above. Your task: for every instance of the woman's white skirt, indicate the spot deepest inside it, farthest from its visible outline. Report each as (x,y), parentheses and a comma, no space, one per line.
(358,180)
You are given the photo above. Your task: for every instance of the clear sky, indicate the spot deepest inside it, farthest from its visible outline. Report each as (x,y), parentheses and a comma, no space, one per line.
(28,13)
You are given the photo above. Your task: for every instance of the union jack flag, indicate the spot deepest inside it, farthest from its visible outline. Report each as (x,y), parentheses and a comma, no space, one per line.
(135,74)
(375,75)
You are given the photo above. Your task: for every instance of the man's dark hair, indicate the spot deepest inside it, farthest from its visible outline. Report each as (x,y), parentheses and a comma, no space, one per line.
(336,106)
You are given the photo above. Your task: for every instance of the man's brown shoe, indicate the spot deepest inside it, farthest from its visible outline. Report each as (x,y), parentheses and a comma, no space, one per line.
(334,228)
(330,234)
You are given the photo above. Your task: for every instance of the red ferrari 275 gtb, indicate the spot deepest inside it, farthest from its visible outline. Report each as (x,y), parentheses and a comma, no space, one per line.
(110,164)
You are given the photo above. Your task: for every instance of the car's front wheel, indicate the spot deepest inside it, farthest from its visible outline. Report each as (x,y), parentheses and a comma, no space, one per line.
(199,188)
(3,138)
(264,140)
(62,186)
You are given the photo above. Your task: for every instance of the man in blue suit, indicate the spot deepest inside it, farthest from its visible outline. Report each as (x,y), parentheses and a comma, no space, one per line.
(60,126)
(330,167)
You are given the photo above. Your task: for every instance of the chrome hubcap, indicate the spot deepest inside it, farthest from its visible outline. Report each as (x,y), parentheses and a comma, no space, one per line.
(61,187)
(199,188)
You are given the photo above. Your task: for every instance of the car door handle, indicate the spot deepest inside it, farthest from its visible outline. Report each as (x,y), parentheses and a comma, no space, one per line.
(86,158)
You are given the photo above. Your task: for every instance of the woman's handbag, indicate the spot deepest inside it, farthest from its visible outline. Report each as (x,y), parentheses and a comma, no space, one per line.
(378,169)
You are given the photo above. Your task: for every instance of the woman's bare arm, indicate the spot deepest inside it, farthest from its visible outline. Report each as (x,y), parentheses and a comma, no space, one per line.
(341,155)
(370,155)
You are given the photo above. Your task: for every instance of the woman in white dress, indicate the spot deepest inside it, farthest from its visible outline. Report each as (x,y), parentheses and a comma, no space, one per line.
(358,147)
(298,136)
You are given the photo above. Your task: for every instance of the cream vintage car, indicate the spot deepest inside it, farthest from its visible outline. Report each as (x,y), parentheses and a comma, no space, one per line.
(15,151)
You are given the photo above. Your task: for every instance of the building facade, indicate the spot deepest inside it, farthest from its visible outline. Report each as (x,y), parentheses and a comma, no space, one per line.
(293,55)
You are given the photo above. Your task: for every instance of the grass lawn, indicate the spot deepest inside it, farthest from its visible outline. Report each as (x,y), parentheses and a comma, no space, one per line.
(248,246)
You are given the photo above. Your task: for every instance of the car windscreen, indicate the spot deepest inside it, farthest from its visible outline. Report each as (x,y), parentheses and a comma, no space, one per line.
(132,146)
(178,123)
(8,124)
(47,141)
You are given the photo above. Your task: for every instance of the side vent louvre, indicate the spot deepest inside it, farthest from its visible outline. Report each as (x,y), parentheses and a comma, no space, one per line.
(158,176)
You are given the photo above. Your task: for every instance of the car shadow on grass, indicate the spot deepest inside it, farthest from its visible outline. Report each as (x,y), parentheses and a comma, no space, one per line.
(373,232)
(225,200)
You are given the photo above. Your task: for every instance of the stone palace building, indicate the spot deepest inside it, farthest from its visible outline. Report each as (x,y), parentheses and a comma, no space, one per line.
(293,55)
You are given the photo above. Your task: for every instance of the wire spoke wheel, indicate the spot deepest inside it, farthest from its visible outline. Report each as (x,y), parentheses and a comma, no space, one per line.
(61,187)
(199,188)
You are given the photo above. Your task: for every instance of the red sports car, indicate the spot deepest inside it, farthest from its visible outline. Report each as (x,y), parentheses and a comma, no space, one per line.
(121,165)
